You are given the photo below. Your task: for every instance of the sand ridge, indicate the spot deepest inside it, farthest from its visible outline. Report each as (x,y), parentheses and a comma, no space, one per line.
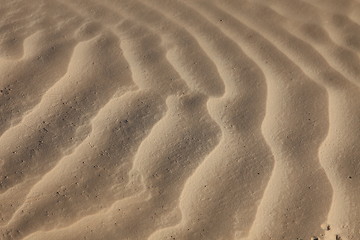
(221,119)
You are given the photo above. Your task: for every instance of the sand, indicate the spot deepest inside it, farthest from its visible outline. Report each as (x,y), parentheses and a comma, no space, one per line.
(188,120)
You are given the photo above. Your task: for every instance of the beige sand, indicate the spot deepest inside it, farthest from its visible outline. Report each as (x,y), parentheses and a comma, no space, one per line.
(174,119)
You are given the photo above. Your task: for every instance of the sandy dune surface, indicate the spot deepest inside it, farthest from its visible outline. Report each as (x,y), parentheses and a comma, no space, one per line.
(174,119)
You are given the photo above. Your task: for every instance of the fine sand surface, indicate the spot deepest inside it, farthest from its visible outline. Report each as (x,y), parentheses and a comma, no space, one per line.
(179,119)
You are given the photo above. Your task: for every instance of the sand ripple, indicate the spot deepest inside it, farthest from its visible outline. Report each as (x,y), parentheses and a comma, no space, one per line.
(134,119)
